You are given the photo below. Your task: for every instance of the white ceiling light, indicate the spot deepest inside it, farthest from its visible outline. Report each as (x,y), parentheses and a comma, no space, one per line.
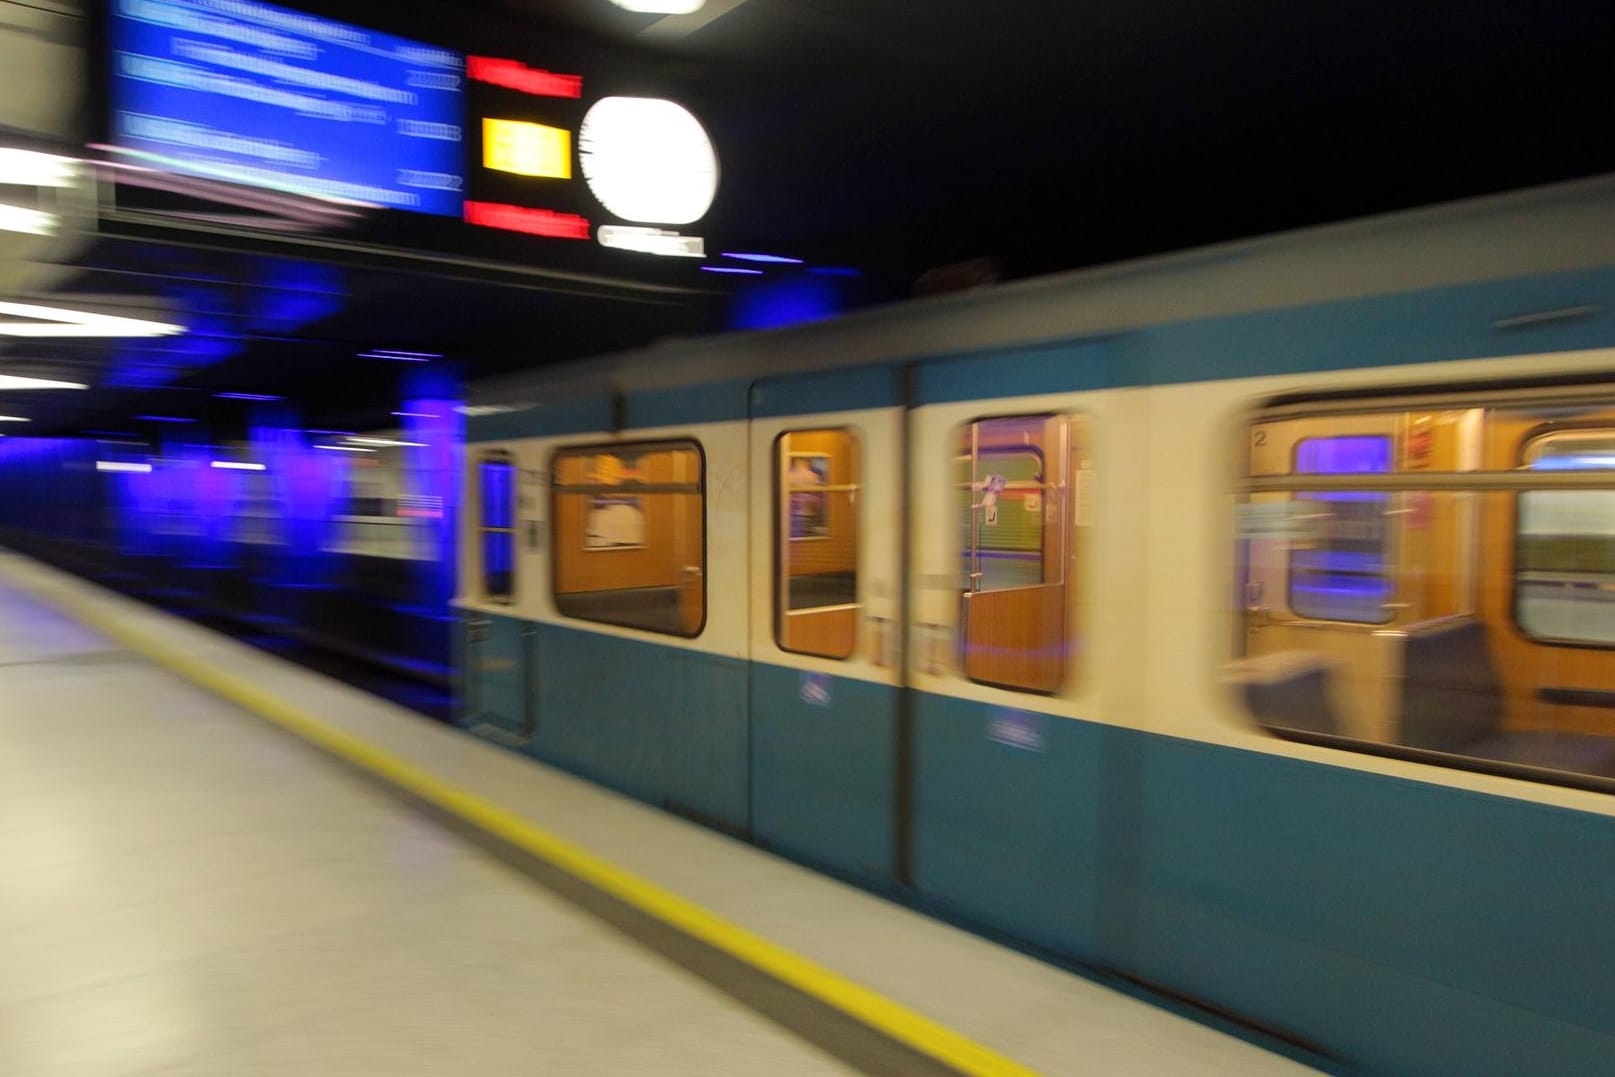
(648,160)
(14,419)
(25,168)
(33,222)
(60,322)
(661,7)
(121,465)
(18,381)
(388,443)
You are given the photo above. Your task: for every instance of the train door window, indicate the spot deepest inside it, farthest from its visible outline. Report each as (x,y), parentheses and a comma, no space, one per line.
(1014,482)
(816,551)
(1341,575)
(1564,578)
(497,485)
(629,535)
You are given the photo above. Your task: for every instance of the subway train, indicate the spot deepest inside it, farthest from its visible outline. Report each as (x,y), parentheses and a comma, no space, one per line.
(1238,622)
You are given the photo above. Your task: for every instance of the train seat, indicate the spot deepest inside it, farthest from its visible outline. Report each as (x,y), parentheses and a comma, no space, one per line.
(1289,690)
(1452,701)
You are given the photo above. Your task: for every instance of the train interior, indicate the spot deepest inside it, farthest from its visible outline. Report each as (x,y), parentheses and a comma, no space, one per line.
(1449,588)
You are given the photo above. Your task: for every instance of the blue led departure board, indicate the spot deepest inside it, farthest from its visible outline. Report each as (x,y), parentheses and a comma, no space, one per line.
(276,98)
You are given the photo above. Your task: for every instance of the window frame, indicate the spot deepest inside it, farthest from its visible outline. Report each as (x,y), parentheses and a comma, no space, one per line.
(507,459)
(557,491)
(781,539)
(1529,438)
(969,550)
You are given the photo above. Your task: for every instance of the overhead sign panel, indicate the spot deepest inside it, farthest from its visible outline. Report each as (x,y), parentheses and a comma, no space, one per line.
(276,98)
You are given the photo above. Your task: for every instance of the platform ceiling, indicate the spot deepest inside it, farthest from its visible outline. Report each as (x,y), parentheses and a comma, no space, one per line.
(896,137)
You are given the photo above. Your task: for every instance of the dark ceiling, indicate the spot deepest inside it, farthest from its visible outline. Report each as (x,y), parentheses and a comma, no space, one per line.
(896,137)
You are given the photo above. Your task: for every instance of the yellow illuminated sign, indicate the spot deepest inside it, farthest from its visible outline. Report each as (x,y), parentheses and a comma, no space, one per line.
(527,149)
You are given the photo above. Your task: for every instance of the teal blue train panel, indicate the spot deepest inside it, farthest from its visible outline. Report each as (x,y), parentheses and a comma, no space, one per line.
(1408,927)
(494,684)
(1006,830)
(663,724)
(823,775)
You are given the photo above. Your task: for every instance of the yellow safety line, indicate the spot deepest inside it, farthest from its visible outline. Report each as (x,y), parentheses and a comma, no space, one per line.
(891,1018)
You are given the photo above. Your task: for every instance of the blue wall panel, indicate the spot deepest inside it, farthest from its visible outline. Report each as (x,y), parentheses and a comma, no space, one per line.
(822,776)
(1009,836)
(1441,930)
(660,723)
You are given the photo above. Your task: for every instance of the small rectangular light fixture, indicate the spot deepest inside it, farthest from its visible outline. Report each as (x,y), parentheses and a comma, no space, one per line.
(344,448)
(121,465)
(32,222)
(14,419)
(164,419)
(661,7)
(403,357)
(651,241)
(237,465)
(527,149)
(779,258)
(18,381)
(261,397)
(387,442)
(735,270)
(416,415)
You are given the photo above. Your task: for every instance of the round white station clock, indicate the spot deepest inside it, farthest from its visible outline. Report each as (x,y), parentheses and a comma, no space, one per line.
(648,160)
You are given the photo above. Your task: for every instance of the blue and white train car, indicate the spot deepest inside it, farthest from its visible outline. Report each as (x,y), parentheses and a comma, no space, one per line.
(1241,622)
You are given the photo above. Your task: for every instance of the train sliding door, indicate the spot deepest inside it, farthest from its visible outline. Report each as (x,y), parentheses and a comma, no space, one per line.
(497,657)
(825,507)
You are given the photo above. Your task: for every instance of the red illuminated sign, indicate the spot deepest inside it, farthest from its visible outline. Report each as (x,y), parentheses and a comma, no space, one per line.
(534,222)
(518,76)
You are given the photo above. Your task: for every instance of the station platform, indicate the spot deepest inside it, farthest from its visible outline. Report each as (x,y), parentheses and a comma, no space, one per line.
(216,862)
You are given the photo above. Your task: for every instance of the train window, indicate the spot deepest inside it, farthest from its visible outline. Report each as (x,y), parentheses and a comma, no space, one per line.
(1014,482)
(1432,578)
(816,551)
(629,535)
(497,486)
(1341,575)
(1564,582)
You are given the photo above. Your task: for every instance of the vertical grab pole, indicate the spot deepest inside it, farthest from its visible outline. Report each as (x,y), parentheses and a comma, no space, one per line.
(903,780)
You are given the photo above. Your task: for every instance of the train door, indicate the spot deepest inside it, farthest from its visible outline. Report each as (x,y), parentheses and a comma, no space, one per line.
(825,523)
(498,701)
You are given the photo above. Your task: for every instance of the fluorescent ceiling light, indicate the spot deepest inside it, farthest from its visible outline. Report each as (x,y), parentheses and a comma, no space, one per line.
(661,7)
(236,465)
(14,419)
(763,258)
(344,448)
(388,442)
(25,168)
(651,241)
(260,397)
(120,465)
(61,322)
(33,222)
(18,381)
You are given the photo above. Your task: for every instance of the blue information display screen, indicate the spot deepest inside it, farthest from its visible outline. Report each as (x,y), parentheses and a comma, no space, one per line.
(263,95)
